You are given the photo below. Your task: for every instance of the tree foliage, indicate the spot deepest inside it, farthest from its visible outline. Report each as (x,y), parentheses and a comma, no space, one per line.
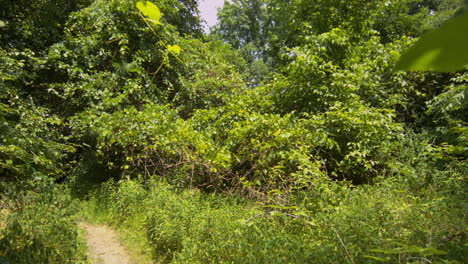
(35,25)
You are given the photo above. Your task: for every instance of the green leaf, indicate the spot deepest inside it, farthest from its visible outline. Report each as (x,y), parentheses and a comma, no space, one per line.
(386,251)
(433,251)
(150,10)
(174,48)
(443,49)
(377,258)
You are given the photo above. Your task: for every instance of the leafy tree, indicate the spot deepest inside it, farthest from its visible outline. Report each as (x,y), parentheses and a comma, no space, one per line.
(35,25)
(245,26)
(110,58)
(243,23)
(32,147)
(286,24)
(188,21)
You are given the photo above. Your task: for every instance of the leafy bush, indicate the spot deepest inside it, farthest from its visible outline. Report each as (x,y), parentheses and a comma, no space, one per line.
(214,75)
(42,228)
(270,152)
(153,141)
(31,143)
(360,133)
(233,147)
(257,152)
(449,112)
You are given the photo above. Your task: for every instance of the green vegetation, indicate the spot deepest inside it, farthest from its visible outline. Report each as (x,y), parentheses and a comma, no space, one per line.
(441,49)
(284,136)
(338,224)
(40,227)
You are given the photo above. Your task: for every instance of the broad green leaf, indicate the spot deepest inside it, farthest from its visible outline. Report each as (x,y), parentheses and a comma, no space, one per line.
(150,10)
(174,48)
(444,49)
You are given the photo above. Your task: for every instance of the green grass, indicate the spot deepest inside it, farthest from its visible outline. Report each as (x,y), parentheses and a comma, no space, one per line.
(334,223)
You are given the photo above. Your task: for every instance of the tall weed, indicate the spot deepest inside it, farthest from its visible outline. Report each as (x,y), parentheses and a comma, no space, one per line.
(332,223)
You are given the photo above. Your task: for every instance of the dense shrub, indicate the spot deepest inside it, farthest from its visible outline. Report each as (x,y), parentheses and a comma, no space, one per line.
(42,228)
(153,141)
(234,147)
(31,143)
(361,133)
(258,152)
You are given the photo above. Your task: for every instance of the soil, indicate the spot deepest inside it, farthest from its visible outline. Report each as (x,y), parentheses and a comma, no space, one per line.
(104,245)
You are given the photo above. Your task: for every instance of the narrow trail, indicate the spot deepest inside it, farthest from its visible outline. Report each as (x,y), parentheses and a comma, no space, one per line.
(104,245)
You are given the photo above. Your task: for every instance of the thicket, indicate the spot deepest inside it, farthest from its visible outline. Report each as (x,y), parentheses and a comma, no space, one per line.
(40,226)
(286,135)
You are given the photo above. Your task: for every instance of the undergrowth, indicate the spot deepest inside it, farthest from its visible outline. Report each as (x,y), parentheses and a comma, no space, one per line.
(40,226)
(334,223)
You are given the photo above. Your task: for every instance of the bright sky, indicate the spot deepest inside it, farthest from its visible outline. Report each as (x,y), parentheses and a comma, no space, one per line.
(208,11)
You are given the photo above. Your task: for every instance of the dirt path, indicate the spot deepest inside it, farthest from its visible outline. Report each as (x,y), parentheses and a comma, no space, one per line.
(104,245)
